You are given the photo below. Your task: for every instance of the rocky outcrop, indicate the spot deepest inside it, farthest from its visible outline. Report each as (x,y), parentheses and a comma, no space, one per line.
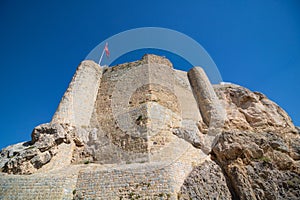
(259,146)
(46,142)
(259,165)
(254,156)
(252,111)
(206,181)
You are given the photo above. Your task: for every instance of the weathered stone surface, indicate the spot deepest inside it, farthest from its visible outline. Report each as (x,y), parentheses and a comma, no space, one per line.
(252,111)
(41,159)
(211,110)
(11,151)
(206,181)
(190,133)
(259,147)
(29,157)
(77,104)
(259,165)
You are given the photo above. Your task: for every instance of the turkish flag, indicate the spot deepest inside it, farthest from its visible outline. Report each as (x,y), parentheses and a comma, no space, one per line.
(106,50)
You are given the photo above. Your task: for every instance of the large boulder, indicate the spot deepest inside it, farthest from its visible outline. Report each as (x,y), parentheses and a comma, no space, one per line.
(28,157)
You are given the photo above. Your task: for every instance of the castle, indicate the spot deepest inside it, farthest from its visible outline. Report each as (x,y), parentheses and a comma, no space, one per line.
(139,130)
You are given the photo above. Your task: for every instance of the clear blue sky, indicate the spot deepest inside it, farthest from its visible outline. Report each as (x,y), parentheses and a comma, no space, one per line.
(254,43)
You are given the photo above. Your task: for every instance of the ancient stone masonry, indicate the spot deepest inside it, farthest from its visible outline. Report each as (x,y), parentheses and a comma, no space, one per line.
(143,130)
(208,102)
(212,111)
(78,101)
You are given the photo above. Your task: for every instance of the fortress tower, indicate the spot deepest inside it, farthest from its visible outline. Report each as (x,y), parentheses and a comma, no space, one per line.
(129,112)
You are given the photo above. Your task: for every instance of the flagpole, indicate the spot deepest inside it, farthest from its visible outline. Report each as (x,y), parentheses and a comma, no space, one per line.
(101,56)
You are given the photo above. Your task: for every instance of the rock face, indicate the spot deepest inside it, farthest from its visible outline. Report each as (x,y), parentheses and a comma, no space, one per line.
(259,146)
(205,182)
(252,111)
(28,157)
(143,130)
(259,166)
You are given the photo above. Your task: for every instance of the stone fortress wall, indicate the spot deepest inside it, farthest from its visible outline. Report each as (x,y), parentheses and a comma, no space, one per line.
(77,104)
(131,181)
(140,121)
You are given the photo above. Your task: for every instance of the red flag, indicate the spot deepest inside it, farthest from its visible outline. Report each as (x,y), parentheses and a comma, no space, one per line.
(106,50)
